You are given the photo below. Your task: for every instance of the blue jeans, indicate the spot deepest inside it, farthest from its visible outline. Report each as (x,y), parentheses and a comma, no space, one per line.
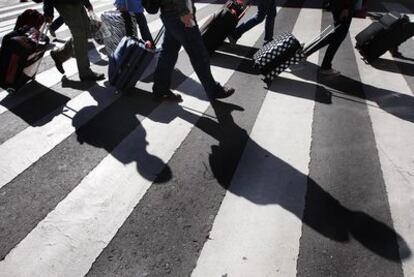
(177,35)
(265,9)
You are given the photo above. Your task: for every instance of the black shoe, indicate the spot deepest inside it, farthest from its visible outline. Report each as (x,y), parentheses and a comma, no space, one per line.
(232,40)
(92,76)
(58,64)
(224,93)
(52,33)
(167,96)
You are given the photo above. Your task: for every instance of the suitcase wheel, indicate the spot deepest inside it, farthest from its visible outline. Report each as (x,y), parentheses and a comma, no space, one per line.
(11,90)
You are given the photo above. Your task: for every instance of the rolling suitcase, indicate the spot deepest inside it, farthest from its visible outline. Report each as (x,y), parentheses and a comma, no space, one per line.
(276,56)
(30,18)
(20,56)
(115,25)
(222,24)
(129,61)
(388,32)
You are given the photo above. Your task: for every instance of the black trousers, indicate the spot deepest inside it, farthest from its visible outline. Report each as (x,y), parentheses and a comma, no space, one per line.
(142,25)
(334,40)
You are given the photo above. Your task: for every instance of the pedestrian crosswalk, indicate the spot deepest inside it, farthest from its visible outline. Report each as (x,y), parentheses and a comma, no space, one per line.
(310,176)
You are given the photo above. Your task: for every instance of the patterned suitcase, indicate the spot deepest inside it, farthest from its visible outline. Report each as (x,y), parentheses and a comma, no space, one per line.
(115,24)
(129,61)
(277,55)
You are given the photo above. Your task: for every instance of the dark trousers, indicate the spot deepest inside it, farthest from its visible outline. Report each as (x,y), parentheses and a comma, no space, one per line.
(337,38)
(177,35)
(74,15)
(142,25)
(334,40)
(266,9)
(57,23)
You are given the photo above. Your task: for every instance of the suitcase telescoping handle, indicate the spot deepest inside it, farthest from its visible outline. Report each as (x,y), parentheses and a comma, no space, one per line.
(307,49)
(159,35)
(43,32)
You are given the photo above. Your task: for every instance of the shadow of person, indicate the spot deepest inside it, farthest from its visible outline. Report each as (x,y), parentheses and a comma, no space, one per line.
(395,103)
(38,110)
(396,66)
(265,179)
(117,130)
(261,185)
(301,89)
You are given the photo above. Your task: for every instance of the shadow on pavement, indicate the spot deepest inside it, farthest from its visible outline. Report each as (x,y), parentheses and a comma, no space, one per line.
(395,103)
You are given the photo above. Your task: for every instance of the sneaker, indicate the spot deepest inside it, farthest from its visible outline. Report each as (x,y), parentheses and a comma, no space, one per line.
(58,63)
(92,76)
(329,72)
(232,40)
(224,93)
(167,96)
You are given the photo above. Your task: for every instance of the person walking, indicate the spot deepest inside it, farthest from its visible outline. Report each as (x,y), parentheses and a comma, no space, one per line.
(342,12)
(74,15)
(266,9)
(126,7)
(58,22)
(181,29)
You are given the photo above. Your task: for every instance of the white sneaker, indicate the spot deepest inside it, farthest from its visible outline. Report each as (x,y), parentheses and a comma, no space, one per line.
(329,72)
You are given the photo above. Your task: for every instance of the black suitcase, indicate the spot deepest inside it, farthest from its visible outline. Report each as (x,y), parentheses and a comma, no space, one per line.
(222,24)
(21,53)
(388,32)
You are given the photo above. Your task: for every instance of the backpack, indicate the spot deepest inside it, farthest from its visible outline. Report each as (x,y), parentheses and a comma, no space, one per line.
(151,6)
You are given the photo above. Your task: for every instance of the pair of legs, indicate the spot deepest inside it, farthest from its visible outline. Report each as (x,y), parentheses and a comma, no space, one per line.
(75,17)
(333,41)
(177,35)
(56,24)
(266,9)
(142,25)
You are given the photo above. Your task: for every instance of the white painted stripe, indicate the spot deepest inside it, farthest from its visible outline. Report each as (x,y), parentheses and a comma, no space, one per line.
(38,7)
(51,76)
(394,137)
(8,26)
(19,152)
(20,11)
(17,6)
(71,237)
(47,78)
(257,229)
